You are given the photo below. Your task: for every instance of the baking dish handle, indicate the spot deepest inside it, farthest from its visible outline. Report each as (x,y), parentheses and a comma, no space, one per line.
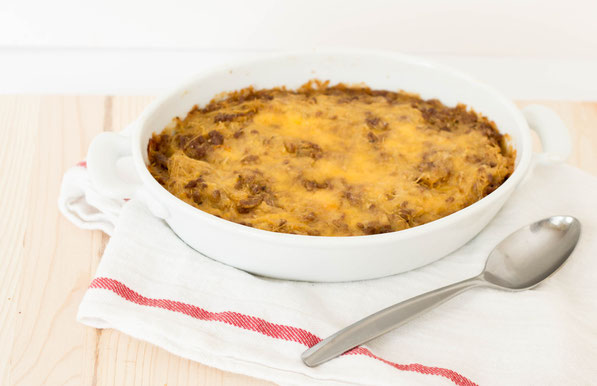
(109,175)
(554,136)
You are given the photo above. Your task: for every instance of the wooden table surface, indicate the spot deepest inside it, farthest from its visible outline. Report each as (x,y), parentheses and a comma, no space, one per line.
(46,263)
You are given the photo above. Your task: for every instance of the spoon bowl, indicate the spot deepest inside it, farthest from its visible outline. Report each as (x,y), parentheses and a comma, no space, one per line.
(521,261)
(532,253)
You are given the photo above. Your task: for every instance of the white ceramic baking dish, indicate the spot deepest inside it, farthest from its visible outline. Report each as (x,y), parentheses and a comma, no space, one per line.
(318,258)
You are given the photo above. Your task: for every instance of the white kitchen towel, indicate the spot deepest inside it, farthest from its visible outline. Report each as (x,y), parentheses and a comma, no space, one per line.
(152,286)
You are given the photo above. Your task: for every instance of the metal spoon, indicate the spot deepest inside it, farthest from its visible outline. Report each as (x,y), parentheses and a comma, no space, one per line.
(521,261)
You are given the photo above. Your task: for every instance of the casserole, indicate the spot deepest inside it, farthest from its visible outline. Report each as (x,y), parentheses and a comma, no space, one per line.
(319,258)
(330,160)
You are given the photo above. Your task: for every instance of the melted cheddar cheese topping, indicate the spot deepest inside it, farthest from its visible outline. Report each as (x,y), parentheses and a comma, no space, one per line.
(330,161)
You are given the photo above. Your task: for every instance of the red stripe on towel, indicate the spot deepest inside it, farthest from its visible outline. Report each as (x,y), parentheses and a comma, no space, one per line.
(82,164)
(252,323)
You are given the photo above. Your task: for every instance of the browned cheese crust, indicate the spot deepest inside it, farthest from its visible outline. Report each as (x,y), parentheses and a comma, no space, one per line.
(330,161)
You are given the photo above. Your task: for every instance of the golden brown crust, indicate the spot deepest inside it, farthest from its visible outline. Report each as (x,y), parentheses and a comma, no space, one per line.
(333,161)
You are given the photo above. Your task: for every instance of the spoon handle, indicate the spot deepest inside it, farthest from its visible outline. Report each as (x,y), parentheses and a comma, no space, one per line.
(383,321)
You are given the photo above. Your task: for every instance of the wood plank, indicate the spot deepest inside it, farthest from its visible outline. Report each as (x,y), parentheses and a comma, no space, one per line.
(47,263)
(18,121)
(49,346)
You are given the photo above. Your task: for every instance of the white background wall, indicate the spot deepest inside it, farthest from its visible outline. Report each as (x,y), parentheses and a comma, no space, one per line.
(529,48)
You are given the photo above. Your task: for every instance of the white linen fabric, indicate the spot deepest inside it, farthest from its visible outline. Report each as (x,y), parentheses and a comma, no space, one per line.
(154,287)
